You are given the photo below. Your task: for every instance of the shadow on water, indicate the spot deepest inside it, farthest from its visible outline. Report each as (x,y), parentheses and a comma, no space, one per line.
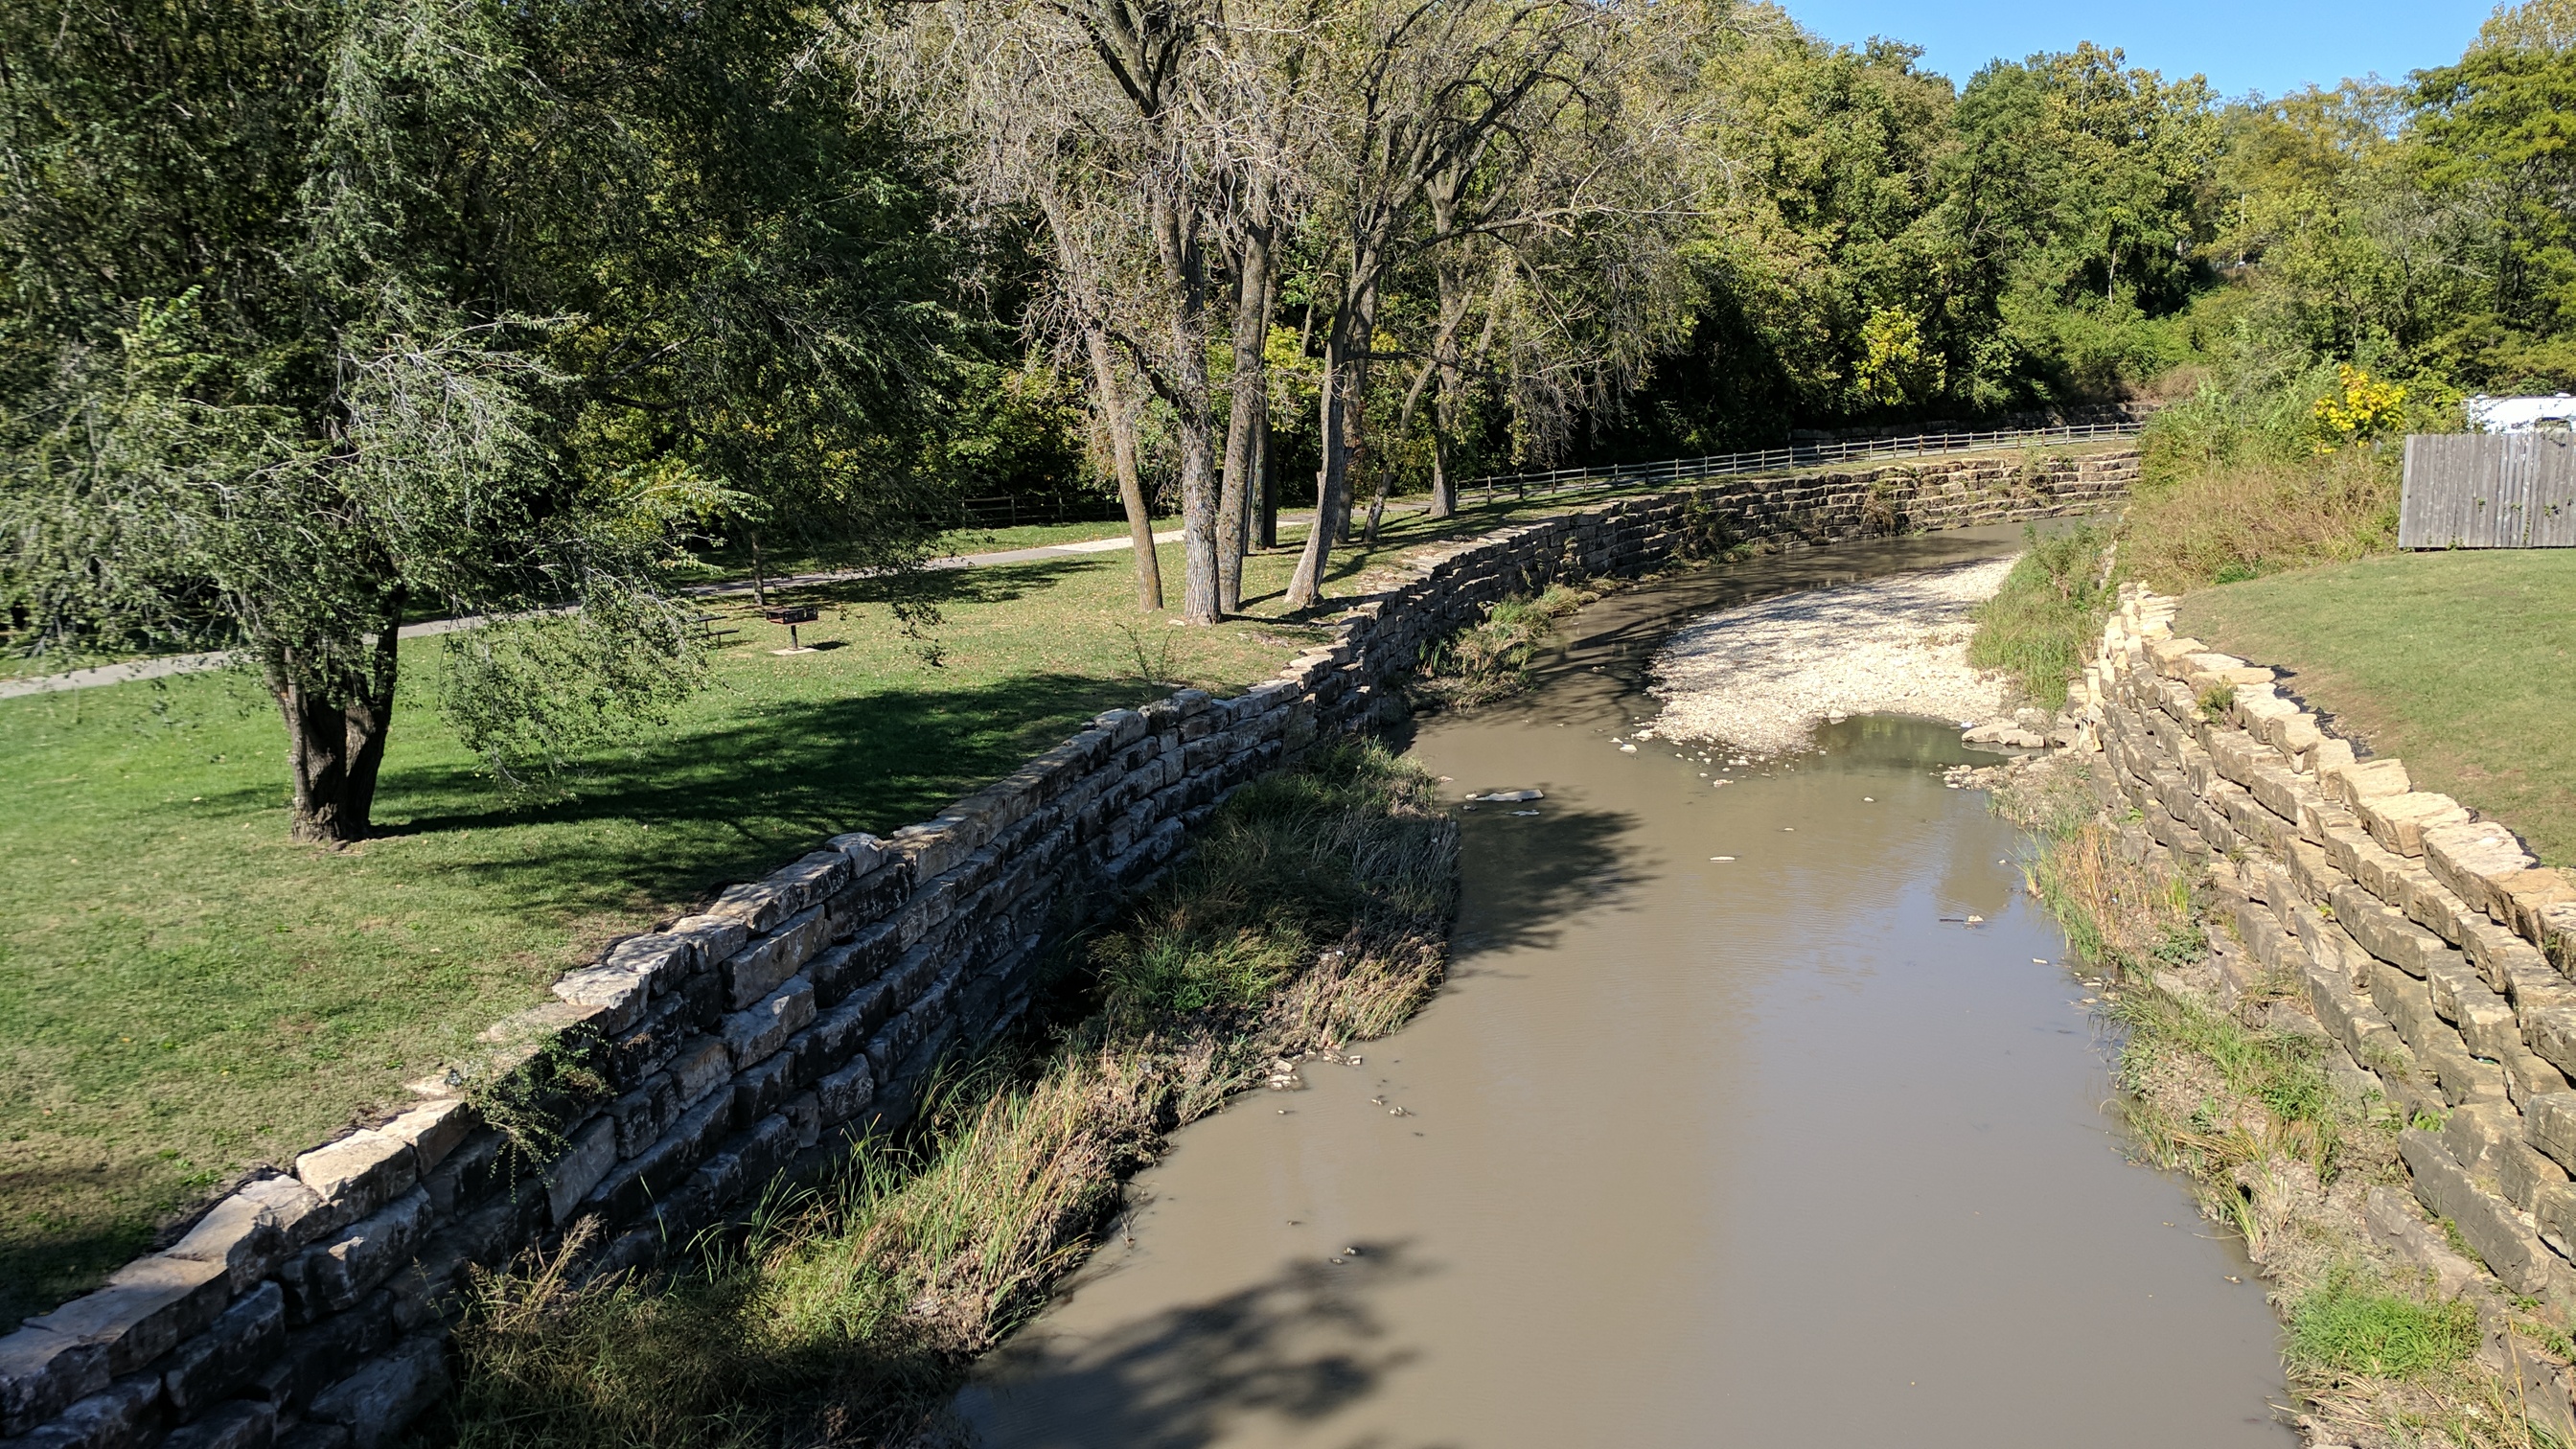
(1296,1347)
(1526,863)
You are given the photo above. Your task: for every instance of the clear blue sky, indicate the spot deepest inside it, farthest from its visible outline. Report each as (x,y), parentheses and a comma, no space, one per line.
(2268,45)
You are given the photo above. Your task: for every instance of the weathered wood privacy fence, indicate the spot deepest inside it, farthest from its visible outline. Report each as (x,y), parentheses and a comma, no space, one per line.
(2489,490)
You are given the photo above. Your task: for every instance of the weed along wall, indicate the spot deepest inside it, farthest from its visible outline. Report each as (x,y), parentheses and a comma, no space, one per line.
(2429,945)
(671,1081)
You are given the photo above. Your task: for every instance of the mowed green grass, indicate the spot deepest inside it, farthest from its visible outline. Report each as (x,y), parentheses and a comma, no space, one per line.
(184,993)
(2463,664)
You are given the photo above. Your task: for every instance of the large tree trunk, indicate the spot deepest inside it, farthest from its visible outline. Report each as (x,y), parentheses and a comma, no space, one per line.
(1121,423)
(1266,470)
(1343,379)
(334,747)
(1186,389)
(1252,296)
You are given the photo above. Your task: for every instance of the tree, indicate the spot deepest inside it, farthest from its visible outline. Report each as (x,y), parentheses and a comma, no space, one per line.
(329,315)
(1483,95)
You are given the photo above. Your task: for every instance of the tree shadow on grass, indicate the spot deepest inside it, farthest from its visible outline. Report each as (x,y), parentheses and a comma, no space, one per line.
(1295,1348)
(731,802)
(69,1226)
(981,584)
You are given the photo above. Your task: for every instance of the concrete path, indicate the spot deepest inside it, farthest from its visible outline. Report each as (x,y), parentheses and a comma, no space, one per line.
(170,664)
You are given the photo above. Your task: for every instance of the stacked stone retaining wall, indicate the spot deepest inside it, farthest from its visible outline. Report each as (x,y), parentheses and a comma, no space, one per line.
(670,1081)
(2432,948)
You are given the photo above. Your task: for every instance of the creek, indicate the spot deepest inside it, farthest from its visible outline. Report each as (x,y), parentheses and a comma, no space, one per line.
(1813,1145)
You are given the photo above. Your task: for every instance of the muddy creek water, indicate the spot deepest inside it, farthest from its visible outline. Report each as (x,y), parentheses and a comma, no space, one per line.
(1760,1151)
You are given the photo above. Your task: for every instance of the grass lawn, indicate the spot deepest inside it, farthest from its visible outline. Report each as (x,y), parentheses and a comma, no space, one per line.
(184,994)
(2459,663)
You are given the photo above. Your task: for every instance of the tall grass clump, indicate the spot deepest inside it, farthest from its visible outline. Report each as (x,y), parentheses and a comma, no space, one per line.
(1312,913)
(2053,602)
(1490,659)
(2346,1326)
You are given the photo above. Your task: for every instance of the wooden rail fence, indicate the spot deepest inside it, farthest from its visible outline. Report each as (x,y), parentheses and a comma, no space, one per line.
(2489,490)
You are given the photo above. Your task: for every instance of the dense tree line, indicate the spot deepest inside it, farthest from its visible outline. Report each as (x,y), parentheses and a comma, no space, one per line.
(323,314)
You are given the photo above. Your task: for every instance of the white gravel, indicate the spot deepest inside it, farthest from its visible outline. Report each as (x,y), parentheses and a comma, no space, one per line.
(1762,677)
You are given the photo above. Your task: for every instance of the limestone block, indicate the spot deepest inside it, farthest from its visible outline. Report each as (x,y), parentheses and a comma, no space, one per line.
(2473,860)
(712,938)
(2319,817)
(147,1306)
(2281,791)
(2170,652)
(757,969)
(2425,901)
(2393,1219)
(2348,1016)
(359,1173)
(619,993)
(2330,754)
(2407,1004)
(2349,785)
(699,1071)
(2485,1021)
(2554,1209)
(336,1272)
(2556,936)
(2490,1227)
(377,1402)
(120,1416)
(2526,1076)
(2385,933)
(2549,1123)
(42,1373)
(661,958)
(2550,1032)
(752,1034)
(297,1211)
(2297,737)
(2512,965)
(239,1424)
(2522,1172)
(434,1129)
(2530,895)
(205,1369)
(2477,1136)
(2329,947)
(2462,1078)
(2236,753)
(586,1159)
(756,905)
(242,1234)
(2261,711)
(2311,873)
(2398,822)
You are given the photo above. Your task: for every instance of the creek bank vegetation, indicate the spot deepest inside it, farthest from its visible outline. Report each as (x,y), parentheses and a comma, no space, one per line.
(1490,659)
(1313,913)
(2225,1080)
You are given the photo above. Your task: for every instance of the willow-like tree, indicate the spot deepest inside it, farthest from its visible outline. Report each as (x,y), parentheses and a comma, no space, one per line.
(323,316)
